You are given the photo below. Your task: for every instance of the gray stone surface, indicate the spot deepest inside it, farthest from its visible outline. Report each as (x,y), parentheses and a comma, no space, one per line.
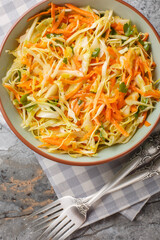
(25,188)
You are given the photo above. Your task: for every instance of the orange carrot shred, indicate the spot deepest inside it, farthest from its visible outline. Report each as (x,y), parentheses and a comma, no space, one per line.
(82,12)
(120,128)
(53,13)
(144,114)
(39,14)
(147,124)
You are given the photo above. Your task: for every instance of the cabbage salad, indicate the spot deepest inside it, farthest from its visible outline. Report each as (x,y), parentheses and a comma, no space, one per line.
(82,79)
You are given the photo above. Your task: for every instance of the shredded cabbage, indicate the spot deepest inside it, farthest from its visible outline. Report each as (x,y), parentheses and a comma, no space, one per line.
(82,79)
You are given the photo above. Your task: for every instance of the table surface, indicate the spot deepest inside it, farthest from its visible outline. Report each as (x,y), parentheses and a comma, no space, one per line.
(25,188)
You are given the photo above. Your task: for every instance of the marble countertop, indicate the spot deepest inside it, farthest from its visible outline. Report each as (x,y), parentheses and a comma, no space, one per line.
(25,188)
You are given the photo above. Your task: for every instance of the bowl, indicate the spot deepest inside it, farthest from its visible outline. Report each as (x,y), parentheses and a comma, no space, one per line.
(13,119)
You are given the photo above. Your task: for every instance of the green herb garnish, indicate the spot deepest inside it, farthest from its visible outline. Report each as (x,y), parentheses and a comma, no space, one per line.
(50,35)
(65,60)
(101,14)
(136,114)
(113,31)
(142,107)
(29,109)
(103,35)
(128,29)
(141,41)
(59,42)
(72,49)
(80,102)
(101,136)
(123,88)
(19,76)
(146,46)
(24,99)
(97,131)
(15,102)
(96,52)
(54,102)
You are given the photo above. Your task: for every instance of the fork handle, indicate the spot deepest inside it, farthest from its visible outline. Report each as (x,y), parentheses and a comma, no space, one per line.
(148,151)
(129,167)
(142,174)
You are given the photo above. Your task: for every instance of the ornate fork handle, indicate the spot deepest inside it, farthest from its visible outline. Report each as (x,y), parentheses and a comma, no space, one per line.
(148,151)
(145,173)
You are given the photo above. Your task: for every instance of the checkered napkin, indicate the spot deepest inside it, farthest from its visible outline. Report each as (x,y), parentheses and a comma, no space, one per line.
(80,181)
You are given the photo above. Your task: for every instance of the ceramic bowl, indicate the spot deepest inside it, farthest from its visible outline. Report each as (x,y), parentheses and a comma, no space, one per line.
(10,114)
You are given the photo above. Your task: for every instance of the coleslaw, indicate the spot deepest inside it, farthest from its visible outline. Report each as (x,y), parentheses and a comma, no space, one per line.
(82,79)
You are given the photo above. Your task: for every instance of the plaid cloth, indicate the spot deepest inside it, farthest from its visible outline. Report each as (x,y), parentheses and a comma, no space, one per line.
(80,181)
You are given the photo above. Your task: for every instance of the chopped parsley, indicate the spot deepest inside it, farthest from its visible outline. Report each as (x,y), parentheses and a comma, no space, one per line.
(128,29)
(29,109)
(24,99)
(19,76)
(65,60)
(80,102)
(96,52)
(123,88)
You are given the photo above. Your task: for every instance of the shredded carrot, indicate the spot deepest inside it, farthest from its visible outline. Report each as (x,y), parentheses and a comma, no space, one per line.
(147,124)
(58,142)
(23,78)
(107,34)
(97,122)
(28,44)
(41,45)
(26,84)
(77,63)
(87,135)
(10,88)
(133,108)
(146,35)
(112,81)
(38,15)
(104,98)
(118,27)
(60,18)
(71,94)
(108,114)
(53,13)
(121,101)
(153,65)
(144,114)
(44,145)
(82,12)
(120,128)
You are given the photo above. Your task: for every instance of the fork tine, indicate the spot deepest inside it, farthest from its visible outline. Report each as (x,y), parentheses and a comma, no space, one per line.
(53,224)
(46,221)
(68,232)
(45,208)
(58,228)
(47,213)
(64,230)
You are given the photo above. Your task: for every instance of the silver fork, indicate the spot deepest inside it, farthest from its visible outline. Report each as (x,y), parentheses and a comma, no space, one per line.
(148,151)
(74,216)
(53,210)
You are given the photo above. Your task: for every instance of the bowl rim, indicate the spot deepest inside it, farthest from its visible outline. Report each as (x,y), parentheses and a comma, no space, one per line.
(45,154)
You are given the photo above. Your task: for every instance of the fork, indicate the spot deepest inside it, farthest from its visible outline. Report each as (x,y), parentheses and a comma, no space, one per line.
(75,215)
(148,151)
(53,210)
